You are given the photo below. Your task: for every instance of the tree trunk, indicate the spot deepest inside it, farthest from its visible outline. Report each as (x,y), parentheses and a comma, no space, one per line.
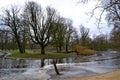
(56,69)
(67,44)
(20,46)
(57,49)
(77,53)
(60,47)
(42,49)
(66,47)
(24,44)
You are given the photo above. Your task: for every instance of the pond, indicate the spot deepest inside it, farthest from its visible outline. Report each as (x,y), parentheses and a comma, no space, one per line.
(32,69)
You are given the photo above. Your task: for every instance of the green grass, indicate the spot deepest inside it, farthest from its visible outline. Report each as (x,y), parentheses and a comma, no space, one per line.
(35,54)
(39,56)
(13,51)
(17,51)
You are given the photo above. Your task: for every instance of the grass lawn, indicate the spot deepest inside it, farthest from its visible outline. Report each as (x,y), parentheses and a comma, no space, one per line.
(36,54)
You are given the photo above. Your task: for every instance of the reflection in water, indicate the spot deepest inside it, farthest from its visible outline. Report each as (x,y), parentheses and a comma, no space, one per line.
(108,60)
(25,64)
(42,62)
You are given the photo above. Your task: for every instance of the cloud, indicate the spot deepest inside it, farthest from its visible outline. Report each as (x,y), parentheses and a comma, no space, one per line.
(69,9)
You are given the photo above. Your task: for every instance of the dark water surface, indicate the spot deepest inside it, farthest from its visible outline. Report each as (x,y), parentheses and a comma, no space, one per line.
(70,67)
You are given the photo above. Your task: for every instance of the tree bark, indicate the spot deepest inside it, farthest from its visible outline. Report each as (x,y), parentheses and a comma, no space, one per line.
(66,47)
(42,49)
(67,44)
(20,46)
(60,47)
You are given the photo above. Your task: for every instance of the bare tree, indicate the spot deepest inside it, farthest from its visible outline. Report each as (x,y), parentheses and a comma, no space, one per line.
(58,33)
(5,39)
(39,22)
(75,37)
(100,42)
(115,38)
(84,32)
(2,39)
(11,18)
(68,34)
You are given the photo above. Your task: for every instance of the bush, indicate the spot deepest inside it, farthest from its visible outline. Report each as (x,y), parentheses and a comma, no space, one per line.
(83,50)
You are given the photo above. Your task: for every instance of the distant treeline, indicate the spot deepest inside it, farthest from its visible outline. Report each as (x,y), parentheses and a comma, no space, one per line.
(34,27)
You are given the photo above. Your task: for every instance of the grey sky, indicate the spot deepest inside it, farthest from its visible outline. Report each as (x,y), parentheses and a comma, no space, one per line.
(69,9)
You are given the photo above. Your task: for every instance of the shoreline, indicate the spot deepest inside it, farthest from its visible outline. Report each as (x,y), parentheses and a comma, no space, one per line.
(112,75)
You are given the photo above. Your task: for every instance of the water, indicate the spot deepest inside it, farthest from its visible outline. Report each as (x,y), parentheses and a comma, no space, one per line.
(31,69)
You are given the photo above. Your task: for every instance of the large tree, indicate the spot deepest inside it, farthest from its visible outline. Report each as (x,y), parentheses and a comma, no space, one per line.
(5,39)
(68,34)
(61,33)
(12,19)
(115,38)
(40,22)
(100,42)
(112,8)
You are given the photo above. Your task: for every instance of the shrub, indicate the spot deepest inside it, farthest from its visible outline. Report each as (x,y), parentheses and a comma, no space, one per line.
(83,50)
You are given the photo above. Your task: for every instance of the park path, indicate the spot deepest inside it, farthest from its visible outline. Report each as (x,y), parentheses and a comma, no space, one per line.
(113,75)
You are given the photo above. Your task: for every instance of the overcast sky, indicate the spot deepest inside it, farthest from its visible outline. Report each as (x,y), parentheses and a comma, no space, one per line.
(69,9)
